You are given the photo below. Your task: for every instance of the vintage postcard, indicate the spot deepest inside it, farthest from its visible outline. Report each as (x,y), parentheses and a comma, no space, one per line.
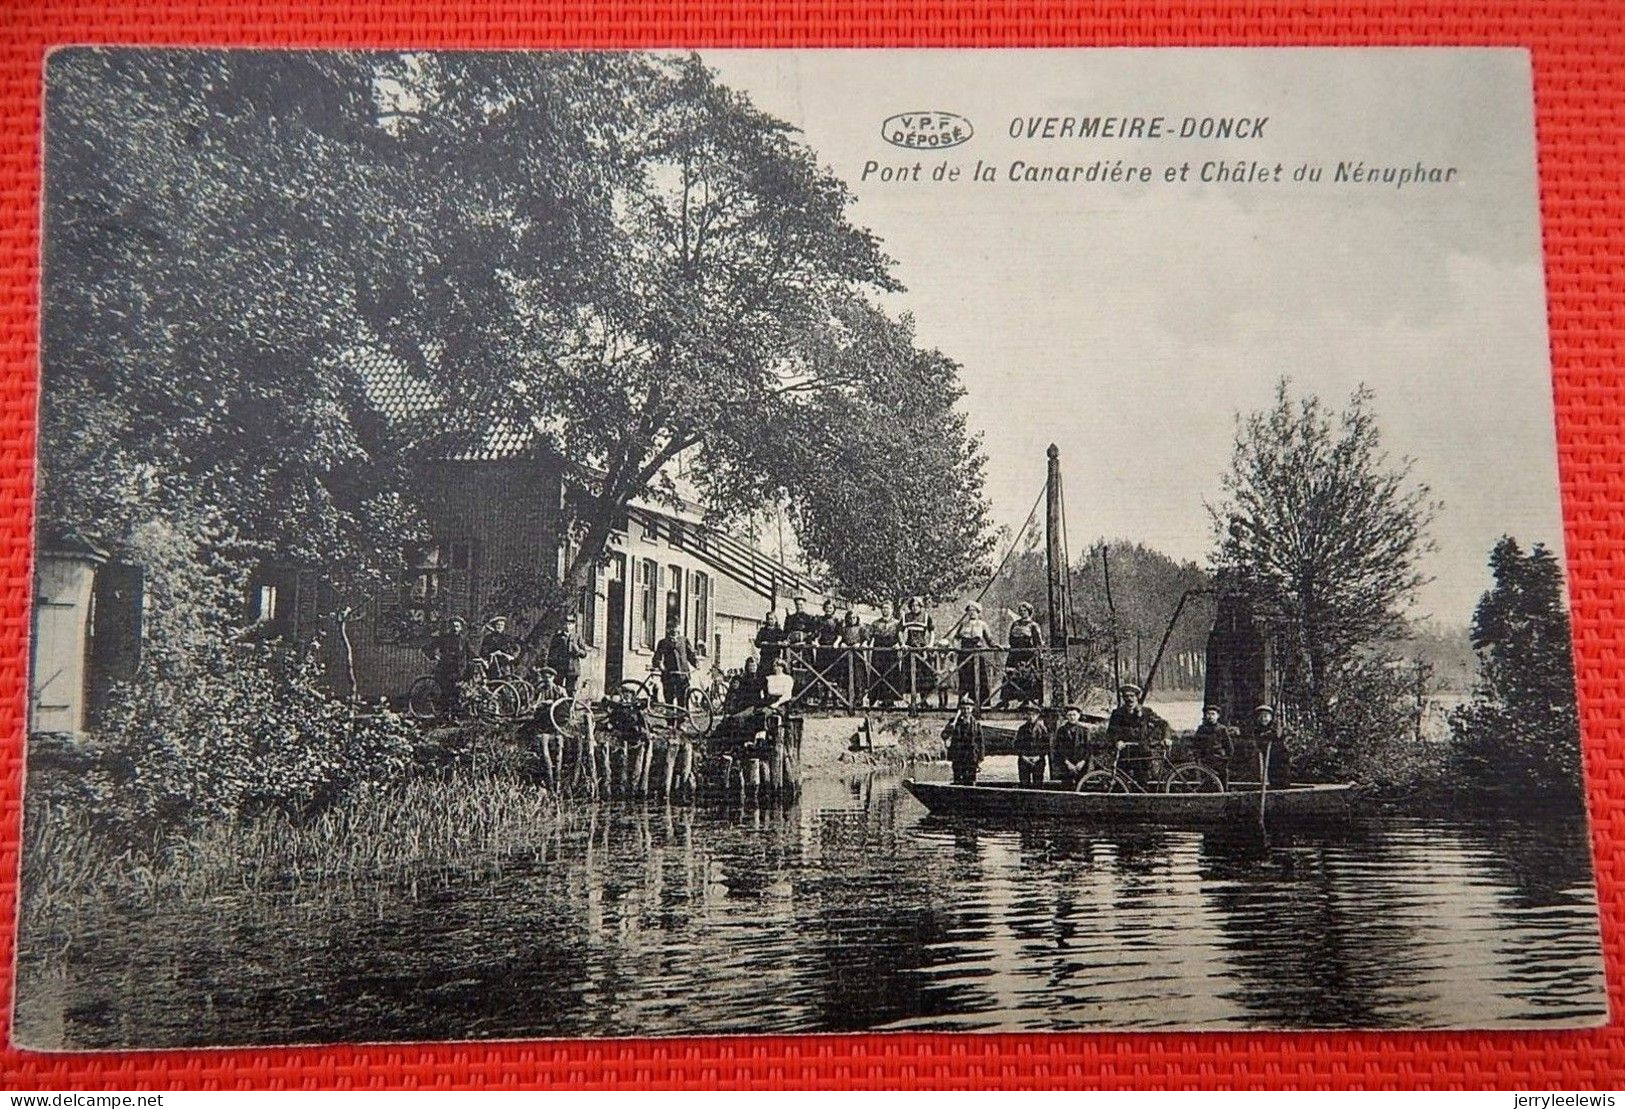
(604,544)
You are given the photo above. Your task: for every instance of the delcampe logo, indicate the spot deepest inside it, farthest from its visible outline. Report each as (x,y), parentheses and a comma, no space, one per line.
(926,130)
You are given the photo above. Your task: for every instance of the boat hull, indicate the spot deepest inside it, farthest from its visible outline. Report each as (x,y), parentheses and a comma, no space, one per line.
(1010,801)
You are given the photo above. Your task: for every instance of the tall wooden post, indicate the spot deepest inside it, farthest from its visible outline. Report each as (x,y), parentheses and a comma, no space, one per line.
(1060,594)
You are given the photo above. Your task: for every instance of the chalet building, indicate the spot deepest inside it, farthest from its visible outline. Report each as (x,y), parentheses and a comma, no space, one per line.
(497,511)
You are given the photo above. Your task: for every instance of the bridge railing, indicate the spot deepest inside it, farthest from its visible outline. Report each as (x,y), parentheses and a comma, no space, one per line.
(850,678)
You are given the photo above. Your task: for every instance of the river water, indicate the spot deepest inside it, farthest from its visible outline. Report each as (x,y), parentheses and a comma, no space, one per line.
(854,909)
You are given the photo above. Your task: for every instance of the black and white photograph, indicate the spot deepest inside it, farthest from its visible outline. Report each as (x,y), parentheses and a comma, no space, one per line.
(565,544)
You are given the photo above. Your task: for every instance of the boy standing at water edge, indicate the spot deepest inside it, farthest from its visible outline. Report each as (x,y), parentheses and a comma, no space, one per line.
(965,747)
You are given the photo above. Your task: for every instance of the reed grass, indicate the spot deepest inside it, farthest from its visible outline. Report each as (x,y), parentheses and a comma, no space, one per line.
(447,820)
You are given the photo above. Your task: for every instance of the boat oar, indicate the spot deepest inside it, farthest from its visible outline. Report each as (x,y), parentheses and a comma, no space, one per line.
(1263,780)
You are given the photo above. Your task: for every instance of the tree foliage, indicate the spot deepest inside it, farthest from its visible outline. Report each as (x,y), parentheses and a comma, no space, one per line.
(1326,532)
(887,476)
(613,253)
(1519,735)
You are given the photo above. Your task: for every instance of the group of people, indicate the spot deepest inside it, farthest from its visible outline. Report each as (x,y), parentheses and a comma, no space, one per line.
(455,657)
(1135,743)
(886,660)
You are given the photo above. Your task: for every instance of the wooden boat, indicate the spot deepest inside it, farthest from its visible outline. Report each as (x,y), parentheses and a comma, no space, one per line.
(1011,801)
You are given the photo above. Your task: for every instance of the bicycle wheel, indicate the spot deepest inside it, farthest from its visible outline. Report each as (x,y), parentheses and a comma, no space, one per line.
(423,701)
(632,690)
(1192,777)
(698,716)
(524,696)
(568,713)
(1101,781)
(507,700)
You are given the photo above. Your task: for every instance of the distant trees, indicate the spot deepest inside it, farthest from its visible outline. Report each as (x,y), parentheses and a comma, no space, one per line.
(1146,587)
(1326,533)
(1518,738)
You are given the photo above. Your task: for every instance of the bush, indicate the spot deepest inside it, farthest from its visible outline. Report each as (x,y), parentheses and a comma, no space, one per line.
(239,731)
(1518,739)
(1368,734)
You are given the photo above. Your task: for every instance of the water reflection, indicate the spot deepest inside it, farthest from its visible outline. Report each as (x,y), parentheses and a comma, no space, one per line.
(852,909)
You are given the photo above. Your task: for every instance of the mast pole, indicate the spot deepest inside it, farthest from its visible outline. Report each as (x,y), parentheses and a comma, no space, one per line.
(1056,560)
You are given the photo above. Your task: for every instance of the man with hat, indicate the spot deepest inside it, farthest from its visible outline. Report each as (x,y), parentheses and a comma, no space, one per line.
(497,647)
(675,658)
(1136,732)
(564,653)
(1032,749)
(963,736)
(451,654)
(1274,760)
(1071,758)
(1212,744)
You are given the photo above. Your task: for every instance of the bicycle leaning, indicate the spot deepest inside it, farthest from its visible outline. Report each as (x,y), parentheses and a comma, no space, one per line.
(1165,776)
(488,692)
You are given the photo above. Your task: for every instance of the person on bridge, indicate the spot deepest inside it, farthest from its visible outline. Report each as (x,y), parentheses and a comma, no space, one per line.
(826,634)
(1033,742)
(675,659)
(919,632)
(769,642)
(800,629)
(1137,733)
(974,637)
(852,674)
(885,633)
(966,747)
(1071,758)
(1023,673)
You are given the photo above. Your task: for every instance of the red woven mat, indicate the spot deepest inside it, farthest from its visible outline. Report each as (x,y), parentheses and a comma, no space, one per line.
(1579,61)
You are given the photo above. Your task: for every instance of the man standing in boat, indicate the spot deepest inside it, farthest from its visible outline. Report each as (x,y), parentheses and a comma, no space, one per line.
(1274,760)
(963,736)
(1032,749)
(1137,733)
(1213,744)
(1070,760)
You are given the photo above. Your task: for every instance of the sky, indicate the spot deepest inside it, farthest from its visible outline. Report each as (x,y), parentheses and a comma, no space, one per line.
(1129,323)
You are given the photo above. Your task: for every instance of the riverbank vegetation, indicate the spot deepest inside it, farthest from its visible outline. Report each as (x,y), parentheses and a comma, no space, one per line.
(1324,533)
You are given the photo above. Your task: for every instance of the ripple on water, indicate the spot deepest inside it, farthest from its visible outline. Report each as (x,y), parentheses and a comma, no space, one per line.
(867,914)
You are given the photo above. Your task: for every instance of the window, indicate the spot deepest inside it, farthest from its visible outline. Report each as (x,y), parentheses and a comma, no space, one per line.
(648,575)
(265,604)
(587,614)
(674,595)
(699,621)
(459,555)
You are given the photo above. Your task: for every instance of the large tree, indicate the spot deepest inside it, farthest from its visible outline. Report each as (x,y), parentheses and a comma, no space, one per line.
(611,253)
(1326,531)
(885,473)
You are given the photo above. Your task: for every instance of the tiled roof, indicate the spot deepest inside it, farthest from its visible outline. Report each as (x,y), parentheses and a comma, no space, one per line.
(401,395)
